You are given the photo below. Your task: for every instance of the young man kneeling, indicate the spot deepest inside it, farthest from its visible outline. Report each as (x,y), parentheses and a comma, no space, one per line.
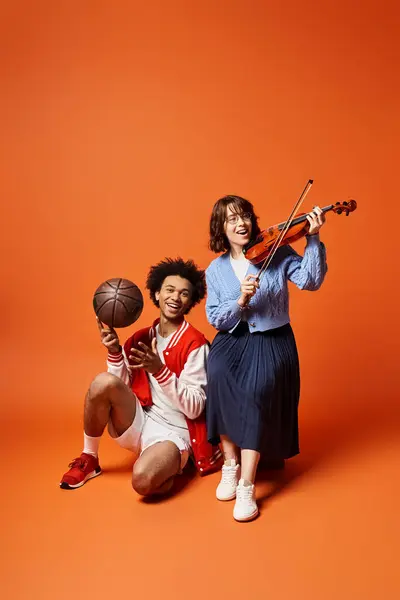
(153,395)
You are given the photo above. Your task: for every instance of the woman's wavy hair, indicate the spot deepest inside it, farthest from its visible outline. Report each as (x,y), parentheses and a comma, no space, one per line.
(218,240)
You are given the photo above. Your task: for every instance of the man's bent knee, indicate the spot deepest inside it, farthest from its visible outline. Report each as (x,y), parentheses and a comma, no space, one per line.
(103,383)
(149,472)
(142,483)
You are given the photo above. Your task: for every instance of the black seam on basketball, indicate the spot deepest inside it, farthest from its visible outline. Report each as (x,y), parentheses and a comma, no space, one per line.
(104,303)
(126,296)
(111,285)
(115,304)
(124,305)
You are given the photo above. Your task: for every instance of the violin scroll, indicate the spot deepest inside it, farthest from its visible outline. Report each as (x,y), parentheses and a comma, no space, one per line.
(346,207)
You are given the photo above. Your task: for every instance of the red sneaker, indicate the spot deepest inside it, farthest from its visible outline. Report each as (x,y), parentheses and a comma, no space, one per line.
(82,469)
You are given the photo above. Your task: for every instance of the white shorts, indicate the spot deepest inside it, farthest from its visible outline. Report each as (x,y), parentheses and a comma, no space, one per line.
(144,432)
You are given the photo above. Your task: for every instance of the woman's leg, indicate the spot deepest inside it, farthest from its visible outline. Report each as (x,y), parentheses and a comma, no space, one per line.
(229,449)
(250,460)
(226,489)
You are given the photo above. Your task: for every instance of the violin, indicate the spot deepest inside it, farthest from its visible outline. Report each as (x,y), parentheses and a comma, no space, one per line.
(260,249)
(264,247)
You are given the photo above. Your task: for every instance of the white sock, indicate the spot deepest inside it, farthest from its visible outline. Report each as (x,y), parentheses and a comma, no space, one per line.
(230,462)
(91,445)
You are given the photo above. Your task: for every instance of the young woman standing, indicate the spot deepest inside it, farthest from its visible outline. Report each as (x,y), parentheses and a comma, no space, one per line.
(253,367)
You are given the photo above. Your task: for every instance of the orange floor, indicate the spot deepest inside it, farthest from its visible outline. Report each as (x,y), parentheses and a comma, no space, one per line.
(328,528)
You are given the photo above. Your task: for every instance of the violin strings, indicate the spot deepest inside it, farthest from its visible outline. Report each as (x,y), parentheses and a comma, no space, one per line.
(279,239)
(277,242)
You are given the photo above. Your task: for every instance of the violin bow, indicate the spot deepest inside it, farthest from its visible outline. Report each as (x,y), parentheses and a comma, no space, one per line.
(268,260)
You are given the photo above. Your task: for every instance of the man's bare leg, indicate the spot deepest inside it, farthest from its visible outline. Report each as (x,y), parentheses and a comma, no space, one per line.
(108,400)
(155,469)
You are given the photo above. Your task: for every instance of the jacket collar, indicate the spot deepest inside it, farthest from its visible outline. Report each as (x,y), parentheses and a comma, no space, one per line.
(176,336)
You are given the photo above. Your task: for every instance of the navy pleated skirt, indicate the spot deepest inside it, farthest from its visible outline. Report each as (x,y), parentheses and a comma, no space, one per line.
(253,390)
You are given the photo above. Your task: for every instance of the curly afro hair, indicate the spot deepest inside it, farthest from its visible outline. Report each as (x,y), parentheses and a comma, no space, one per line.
(185,269)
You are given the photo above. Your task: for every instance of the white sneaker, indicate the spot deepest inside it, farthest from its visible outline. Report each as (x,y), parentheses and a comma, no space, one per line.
(226,489)
(245,506)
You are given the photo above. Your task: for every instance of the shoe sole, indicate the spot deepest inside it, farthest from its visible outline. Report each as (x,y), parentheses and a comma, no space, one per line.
(67,486)
(226,499)
(249,518)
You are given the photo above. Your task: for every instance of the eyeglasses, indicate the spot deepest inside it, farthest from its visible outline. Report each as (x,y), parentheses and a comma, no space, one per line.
(233,219)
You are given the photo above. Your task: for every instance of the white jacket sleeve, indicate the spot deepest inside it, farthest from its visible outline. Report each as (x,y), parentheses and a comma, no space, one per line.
(187,392)
(117,364)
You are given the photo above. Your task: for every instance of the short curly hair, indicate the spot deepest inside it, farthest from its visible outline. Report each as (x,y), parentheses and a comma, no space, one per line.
(218,240)
(185,269)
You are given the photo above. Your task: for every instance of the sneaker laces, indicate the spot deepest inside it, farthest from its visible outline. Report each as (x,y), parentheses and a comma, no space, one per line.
(245,492)
(78,463)
(228,474)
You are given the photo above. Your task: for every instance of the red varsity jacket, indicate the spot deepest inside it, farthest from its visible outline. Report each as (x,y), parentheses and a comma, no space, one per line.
(207,458)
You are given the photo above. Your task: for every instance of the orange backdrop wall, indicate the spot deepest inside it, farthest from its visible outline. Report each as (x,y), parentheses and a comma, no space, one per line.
(123,122)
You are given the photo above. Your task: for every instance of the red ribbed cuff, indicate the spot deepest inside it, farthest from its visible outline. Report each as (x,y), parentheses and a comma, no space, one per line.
(115,358)
(163,375)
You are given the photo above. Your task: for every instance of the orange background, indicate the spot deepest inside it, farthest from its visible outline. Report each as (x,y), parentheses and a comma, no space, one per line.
(122,123)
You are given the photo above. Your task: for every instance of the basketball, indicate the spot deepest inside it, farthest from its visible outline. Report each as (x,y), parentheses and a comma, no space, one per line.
(118,302)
